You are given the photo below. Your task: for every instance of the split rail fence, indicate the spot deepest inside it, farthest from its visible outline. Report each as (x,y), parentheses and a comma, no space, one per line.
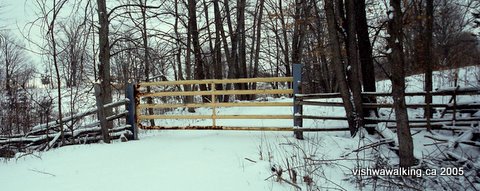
(460,113)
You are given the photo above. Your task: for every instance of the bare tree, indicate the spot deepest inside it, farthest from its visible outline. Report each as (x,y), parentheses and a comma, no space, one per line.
(397,60)
(104,66)
(339,66)
(241,64)
(365,54)
(353,69)
(193,30)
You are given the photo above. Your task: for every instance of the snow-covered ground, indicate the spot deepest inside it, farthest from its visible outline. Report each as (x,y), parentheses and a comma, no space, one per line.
(160,160)
(217,160)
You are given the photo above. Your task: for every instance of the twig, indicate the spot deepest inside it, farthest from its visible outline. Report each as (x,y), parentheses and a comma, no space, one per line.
(435,143)
(250,160)
(26,154)
(42,172)
(334,160)
(270,177)
(288,182)
(375,144)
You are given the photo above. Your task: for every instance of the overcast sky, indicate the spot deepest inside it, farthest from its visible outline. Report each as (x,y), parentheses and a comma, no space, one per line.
(15,15)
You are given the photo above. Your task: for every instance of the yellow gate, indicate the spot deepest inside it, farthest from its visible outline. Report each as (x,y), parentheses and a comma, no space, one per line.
(141,115)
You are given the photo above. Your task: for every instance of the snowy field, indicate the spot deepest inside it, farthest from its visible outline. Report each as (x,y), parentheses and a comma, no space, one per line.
(161,160)
(218,160)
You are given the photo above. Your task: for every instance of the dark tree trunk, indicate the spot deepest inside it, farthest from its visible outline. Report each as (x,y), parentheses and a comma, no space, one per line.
(428,60)
(218,67)
(298,30)
(146,55)
(396,58)
(353,69)
(338,65)
(197,51)
(104,57)
(365,53)
(242,57)
(220,31)
(286,53)
(233,58)
(258,38)
(188,68)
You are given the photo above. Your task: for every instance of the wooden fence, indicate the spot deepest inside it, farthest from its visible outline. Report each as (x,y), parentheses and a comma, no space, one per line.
(439,122)
(213,104)
(46,136)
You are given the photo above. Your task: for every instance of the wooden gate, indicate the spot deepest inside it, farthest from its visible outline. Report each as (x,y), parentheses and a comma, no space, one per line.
(141,106)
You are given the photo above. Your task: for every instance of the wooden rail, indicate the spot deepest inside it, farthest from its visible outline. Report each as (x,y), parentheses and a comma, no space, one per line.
(212,93)
(240,104)
(45,136)
(214,81)
(217,92)
(308,99)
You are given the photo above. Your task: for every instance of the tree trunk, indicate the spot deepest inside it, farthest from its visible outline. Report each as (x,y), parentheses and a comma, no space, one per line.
(104,57)
(241,41)
(286,52)
(396,58)
(146,55)
(258,38)
(178,43)
(188,68)
(218,47)
(232,59)
(57,70)
(365,53)
(353,69)
(338,65)
(428,61)
(298,30)
(193,30)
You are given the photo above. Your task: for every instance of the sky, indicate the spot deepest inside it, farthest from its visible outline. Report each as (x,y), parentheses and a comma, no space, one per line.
(15,16)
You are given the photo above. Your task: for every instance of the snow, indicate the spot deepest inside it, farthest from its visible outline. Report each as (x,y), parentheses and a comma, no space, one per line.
(161,160)
(389,51)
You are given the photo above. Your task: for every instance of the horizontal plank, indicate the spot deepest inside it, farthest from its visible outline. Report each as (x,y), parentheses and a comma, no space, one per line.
(239,104)
(366,105)
(319,103)
(244,128)
(322,117)
(145,117)
(220,92)
(435,93)
(318,96)
(387,94)
(218,128)
(423,120)
(222,81)
(322,129)
(389,105)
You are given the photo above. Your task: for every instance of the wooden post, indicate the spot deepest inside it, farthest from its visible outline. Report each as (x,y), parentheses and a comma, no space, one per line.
(101,114)
(214,110)
(131,117)
(297,107)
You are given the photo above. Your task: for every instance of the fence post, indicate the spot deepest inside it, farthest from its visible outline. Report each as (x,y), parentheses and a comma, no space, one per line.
(214,106)
(297,107)
(101,113)
(131,117)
